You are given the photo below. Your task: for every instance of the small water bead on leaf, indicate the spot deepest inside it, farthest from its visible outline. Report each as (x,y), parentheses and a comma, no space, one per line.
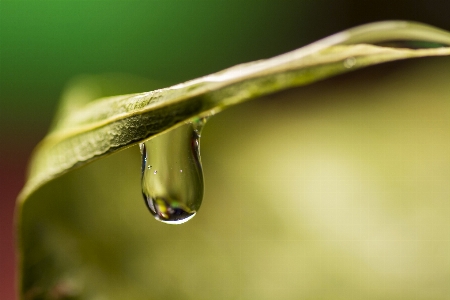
(175,194)
(349,62)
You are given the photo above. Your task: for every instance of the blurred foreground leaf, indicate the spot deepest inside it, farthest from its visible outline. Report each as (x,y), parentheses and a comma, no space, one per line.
(80,239)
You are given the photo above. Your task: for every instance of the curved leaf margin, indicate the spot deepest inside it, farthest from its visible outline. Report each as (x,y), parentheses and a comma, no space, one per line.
(86,132)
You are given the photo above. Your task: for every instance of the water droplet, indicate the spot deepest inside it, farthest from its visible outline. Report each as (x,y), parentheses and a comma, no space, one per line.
(349,62)
(174,196)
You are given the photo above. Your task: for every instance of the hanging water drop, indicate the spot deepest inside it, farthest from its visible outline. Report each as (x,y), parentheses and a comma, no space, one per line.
(175,194)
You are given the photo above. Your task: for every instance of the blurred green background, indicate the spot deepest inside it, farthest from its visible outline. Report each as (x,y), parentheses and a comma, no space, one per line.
(45,44)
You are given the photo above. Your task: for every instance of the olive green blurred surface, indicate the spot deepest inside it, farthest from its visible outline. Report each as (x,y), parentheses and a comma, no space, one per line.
(44,44)
(336,190)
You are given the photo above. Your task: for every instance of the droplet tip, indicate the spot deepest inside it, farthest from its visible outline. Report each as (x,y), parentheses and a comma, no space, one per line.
(177,222)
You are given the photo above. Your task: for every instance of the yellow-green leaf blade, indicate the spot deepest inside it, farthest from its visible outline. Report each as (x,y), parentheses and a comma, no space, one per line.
(137,117)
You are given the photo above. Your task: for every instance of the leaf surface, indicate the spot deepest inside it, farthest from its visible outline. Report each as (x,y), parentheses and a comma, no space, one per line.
(90,130)
(68,243)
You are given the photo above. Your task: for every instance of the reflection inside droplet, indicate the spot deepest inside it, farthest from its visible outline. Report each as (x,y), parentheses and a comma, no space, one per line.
(173,213)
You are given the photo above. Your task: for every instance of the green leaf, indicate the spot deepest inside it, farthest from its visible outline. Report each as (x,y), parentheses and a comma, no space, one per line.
(87,131)
(55,259)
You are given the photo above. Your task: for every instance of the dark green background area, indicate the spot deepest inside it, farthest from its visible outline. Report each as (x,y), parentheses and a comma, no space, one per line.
(44,44)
